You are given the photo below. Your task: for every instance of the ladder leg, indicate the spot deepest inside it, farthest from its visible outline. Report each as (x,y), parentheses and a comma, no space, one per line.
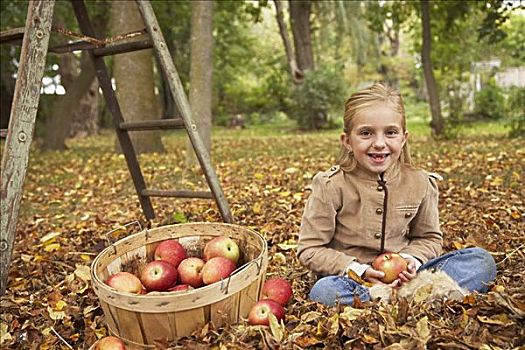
(22,125)
(112,103)
(166,64)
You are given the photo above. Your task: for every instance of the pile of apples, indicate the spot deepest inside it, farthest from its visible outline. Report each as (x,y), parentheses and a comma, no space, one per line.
(276,293)
(173,271)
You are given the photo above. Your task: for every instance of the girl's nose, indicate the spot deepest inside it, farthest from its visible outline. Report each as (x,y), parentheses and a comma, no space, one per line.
(379,142)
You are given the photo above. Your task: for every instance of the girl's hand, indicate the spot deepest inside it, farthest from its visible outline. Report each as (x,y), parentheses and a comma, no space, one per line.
(407,276)
(374,276)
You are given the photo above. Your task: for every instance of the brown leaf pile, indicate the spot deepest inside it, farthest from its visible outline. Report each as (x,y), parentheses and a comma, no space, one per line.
(72,199)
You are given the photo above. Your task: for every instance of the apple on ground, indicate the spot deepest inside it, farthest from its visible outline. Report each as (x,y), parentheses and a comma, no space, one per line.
(217,268)
(277,289)
(259,312)
(190,271)
(171,251)
(110,343)
(222,246)
(125,282)
(180,288)
(392,264)
(159,275)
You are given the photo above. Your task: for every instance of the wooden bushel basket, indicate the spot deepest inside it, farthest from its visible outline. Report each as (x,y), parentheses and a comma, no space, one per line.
(139,320)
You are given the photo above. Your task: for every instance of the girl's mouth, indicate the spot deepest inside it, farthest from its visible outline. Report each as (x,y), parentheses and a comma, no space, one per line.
(377,158)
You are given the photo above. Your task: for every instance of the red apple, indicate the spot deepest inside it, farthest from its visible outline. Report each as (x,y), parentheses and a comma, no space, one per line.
(217,268)
(259,312)
(392,264)
(110,343)
(190,272)
(277,289)
(171,251)
(180,288)
(222,246)
(159,275)
(125,282)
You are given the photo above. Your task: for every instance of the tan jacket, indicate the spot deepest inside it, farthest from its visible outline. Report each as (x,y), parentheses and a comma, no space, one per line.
(349,214)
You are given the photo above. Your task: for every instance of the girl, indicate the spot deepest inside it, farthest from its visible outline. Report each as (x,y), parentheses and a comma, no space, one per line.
(375,201)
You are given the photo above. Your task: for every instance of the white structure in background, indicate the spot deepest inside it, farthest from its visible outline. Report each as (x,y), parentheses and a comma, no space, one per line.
(512,76)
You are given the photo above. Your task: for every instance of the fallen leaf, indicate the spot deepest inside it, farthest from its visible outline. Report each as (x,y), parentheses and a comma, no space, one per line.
(83,272)
(5,336)
(276,329)
(49,236)
(500,319)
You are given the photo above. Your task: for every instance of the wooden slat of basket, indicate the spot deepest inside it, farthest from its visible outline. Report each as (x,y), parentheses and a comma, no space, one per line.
(129,326)
(248,297)
(108,314)
(114,266)
(187,321)
(225,311)
(156,326)
(172,323)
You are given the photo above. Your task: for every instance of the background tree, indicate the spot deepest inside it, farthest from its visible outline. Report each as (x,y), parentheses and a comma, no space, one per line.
(133,73)
(433,92)
(201,72)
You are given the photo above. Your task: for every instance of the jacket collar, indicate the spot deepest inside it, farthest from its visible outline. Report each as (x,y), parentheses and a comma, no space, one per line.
(390,174)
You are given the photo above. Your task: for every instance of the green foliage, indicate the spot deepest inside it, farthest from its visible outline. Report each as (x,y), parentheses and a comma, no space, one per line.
(322,90)
(490,102)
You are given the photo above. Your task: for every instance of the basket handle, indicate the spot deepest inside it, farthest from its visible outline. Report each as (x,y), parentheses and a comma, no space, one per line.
(108,241)
(225,283)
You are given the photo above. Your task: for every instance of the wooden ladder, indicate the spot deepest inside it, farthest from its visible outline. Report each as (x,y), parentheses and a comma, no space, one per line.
(15,157)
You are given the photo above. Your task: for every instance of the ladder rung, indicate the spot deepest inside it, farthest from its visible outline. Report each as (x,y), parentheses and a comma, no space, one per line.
(12,35)
(74,46)
(180,193)
(123,48)
(152,124)
(114,49)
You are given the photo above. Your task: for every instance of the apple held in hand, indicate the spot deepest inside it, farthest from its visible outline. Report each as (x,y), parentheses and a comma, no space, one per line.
(222,246)
(110,343)
(159,275)
(277,289)
(190,271)
(217,268)
(125,282)
(171,251)
(259,312)
(392,264)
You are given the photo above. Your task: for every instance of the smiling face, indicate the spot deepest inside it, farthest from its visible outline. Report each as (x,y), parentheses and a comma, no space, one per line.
(376,137)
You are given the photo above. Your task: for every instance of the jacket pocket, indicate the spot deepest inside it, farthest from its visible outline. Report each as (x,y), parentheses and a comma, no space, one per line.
(404,214)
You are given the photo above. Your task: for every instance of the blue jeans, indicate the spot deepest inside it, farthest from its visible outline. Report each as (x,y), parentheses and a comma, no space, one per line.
(472,268)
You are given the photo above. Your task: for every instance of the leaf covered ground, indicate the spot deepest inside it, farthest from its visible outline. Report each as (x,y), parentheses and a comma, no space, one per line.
(72,199)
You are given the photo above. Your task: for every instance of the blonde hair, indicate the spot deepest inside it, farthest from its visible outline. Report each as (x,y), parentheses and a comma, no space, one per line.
(363,99)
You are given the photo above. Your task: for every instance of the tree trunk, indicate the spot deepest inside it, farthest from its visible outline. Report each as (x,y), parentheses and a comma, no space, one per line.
(300,23)
(297,74)
(58,126)
(436,124)
(86,119)
(201,72)
(133,73)
(67,115)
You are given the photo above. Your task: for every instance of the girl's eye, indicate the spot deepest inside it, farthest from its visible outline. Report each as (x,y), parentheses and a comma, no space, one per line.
(365,133)
(392,132)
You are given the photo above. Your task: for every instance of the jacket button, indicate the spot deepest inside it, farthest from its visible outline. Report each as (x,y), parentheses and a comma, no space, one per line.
(407,215)
(379,211)
(380,188)
(377,235)
(333,168)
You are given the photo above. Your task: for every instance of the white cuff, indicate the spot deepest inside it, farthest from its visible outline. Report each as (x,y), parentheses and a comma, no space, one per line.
(358,268)
(408,256)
